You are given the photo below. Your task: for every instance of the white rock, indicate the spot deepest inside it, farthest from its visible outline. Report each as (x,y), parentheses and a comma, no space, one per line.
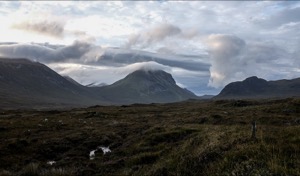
(105,150)
(92,154)
(51,162)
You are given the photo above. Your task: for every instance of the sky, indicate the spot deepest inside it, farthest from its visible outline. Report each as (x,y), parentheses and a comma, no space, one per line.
(204,44)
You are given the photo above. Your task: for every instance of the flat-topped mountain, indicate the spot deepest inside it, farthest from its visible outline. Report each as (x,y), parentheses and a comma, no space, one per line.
(254,87)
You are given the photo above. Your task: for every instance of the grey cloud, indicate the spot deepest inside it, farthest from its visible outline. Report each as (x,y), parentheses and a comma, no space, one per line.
(163,35)
(287,30)
(282,17)
(119,57)
(53,28)
(161,32)
(265,52)
(132,40)
(76,50)
(157,33)
(296,55)
(190,33)
(34,52)
(165,50)
(48,54)
(88,53)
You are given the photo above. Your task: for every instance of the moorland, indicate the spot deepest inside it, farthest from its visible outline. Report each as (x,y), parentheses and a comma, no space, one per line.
(193,137)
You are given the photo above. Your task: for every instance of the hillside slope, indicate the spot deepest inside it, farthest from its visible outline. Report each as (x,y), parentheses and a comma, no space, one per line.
(24,83)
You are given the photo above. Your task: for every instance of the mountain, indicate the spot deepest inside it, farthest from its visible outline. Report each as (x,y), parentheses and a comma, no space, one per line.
(24,83)
(254,87)
(28,84)
(151,86)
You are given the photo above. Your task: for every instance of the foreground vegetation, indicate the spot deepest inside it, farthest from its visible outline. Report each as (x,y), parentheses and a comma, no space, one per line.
(187,138)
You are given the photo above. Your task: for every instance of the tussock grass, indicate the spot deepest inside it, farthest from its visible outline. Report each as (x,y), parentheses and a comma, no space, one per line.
(58,172)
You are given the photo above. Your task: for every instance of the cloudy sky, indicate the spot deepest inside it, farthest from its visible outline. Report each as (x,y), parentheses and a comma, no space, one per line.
(204,45)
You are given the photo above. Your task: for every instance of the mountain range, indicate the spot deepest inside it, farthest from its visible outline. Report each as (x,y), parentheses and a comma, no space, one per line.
(29,84)
(24,83)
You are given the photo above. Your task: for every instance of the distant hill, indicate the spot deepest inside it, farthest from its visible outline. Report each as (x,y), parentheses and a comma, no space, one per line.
(27,84)
(206,97)
(254,87)
(146,87)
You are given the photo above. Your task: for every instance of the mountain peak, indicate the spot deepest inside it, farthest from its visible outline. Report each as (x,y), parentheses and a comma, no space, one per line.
(147,86)
(254,79)
(152,75)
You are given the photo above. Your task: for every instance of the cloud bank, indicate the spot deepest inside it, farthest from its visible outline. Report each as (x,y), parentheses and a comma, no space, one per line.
(86,52)
(78,50)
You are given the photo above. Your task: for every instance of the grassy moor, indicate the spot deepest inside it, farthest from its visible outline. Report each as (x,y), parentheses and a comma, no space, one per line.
(187,138)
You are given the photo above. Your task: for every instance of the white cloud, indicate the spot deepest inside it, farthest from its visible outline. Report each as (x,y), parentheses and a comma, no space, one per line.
(233,59)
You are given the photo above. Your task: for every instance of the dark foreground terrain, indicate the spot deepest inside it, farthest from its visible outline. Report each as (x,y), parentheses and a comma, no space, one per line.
(188,138)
